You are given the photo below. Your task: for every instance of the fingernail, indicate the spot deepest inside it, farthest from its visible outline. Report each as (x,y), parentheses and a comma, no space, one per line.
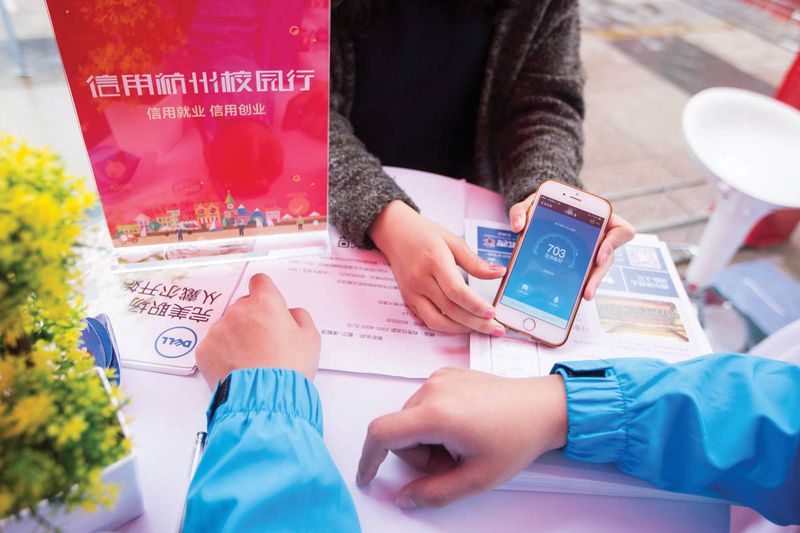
(496,268)
(517,222)
(498,332)
(490,314)
(404,501)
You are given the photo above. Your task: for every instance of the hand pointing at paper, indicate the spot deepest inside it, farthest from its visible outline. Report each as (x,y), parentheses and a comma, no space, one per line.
(670,424)
(463,443)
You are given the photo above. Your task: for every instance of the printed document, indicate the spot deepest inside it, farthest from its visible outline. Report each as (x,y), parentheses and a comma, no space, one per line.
(365,325)
(159,317)
(640,310)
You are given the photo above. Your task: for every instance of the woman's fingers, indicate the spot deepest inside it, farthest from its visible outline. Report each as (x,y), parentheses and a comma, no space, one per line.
(452,310)
(448,280)
(519,213)
(472,262)
(619,233)
(433,316)
(596,278)
(429,458)
(440,489)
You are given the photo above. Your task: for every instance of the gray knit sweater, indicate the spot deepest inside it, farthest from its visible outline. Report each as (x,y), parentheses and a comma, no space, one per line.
(529,122)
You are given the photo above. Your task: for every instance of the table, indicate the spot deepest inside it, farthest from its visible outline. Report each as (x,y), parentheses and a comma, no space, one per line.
(166,411)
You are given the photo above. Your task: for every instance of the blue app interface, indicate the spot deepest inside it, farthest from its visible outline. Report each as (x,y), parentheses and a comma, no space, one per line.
(552,262)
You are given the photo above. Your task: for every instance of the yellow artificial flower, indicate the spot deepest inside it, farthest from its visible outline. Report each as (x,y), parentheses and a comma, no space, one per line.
(29,414)
(72,430)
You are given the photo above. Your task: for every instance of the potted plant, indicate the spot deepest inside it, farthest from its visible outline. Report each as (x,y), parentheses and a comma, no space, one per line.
(64,449)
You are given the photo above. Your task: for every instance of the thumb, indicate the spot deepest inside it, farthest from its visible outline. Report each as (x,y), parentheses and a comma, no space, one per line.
(472,262)
(518,214)
(441,489)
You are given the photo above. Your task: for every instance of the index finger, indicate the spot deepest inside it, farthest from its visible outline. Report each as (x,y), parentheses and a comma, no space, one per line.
(456,289)
(395,431)
(264,290)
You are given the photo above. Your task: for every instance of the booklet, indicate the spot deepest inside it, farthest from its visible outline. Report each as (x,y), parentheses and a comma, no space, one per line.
(641,310)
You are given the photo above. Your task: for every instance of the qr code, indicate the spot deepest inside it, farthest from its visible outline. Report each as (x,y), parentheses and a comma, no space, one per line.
(643,257)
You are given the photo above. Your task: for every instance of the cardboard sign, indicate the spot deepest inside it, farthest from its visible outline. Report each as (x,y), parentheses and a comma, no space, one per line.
(205,122)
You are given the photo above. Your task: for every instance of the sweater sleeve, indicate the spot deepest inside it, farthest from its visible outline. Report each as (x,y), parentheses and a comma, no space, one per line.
(724,425)
(359,188)
(541,134)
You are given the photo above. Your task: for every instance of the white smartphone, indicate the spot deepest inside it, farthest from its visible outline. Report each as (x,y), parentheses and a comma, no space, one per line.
(543,287)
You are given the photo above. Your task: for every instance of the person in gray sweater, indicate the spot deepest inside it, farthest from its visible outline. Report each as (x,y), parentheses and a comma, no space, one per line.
(486,90)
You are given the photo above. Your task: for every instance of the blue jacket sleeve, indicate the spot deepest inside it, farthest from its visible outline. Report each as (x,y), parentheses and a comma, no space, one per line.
(724,425)
(266,467)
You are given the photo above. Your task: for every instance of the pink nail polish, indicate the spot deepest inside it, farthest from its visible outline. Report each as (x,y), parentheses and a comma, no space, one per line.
(497,268)
(498,332)
(490,314)
(404,501)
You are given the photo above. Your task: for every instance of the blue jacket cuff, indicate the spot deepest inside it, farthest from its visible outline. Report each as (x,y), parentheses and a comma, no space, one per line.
(272,390)
(596,411)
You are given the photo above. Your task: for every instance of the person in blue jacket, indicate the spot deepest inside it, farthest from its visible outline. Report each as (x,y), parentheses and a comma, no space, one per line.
(722,425)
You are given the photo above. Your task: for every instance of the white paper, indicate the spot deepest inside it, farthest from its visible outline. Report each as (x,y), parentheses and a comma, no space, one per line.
(643,280)
(353,297)
(356,305)
(159,317)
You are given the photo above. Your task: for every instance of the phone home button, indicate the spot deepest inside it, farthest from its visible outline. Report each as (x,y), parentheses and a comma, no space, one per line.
(529,324)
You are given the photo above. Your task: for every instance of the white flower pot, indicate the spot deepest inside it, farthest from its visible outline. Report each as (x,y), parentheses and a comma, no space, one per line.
(129,504)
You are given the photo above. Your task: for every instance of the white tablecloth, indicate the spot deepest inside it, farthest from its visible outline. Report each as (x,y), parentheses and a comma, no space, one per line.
(166,411)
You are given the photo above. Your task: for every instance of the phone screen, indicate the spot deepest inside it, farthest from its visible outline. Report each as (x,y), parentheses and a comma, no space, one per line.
(552,261)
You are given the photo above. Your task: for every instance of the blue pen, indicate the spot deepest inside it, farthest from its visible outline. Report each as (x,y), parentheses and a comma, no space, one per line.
(197,454)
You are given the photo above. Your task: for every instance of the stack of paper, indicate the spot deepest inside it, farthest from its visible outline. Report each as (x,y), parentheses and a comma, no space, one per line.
(553,473)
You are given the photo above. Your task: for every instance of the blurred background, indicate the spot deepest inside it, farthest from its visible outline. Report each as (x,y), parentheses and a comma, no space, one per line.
(644,61)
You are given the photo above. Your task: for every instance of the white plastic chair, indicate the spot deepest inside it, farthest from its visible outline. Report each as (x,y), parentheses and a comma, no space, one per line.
(749,145)
(784,344)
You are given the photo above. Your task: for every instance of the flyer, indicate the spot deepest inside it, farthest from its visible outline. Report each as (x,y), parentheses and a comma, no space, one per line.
(205,125)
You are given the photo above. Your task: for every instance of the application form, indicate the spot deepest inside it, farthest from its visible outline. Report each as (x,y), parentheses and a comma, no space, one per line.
(356,305)
(352,295)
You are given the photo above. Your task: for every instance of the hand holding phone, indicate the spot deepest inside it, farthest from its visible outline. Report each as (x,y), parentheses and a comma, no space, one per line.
(551,263)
